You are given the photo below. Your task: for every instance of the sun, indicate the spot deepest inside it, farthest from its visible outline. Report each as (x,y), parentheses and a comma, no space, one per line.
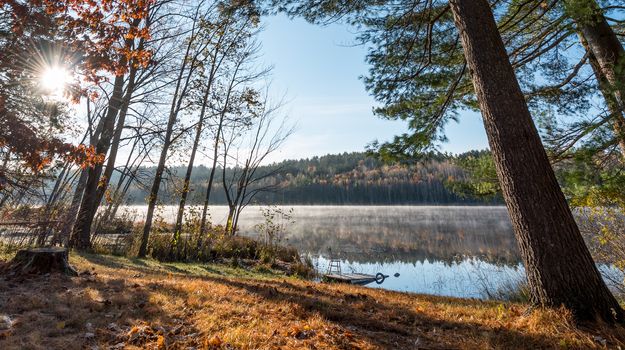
(54,80)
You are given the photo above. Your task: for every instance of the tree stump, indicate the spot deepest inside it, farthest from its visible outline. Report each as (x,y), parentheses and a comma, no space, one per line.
(40,261)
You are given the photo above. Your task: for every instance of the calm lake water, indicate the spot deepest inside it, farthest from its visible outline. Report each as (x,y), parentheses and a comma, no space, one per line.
(451,251)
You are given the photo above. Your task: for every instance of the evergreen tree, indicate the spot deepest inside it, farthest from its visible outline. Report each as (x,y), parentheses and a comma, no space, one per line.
(559,267)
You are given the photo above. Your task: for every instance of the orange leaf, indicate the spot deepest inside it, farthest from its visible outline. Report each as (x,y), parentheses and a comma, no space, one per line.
(215,341)
(160,342)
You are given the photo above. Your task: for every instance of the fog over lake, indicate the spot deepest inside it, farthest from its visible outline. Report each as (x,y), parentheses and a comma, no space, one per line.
(463,251)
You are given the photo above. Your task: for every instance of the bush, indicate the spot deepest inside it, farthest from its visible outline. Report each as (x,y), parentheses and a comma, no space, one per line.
(215,245)
(304,268)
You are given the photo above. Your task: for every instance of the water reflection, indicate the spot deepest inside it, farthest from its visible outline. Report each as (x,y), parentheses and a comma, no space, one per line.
(407,234)
(452,251)
(378,234)
(468,278)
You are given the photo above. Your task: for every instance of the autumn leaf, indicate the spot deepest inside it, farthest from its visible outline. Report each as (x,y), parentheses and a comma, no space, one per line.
(214,341)
(160,342)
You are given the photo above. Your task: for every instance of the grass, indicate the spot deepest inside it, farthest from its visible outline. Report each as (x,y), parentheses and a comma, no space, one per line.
(123,303)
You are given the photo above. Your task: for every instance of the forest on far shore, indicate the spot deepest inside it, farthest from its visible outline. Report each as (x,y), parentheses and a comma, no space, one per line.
(342,179)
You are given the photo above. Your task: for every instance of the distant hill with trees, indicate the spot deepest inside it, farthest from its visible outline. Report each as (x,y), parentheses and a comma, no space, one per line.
(347,178)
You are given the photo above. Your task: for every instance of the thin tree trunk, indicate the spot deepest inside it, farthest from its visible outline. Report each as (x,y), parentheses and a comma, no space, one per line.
(70,218)
(124,190)
(158,177)
(560,270)
(173,115)
(211,178)
(81,235)
(105,178)
(187,177)
(116,194)
(616,114)
(607,60)
(213,71)
(121,122)
(79,190)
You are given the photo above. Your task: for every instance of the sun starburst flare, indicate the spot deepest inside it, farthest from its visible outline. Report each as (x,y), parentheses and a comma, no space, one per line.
(54,81)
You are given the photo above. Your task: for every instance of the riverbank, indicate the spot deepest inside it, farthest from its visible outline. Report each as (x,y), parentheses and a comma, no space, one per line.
(123,303)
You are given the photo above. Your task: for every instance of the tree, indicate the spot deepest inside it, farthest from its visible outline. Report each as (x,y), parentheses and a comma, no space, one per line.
(33,39)
(547,40)
(228,34)
(188,65)
(559,267)
(253,142)
(43,34)
(81,233)
(607,58)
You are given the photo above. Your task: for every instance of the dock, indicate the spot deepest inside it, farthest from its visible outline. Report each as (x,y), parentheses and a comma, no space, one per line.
(334,274)
(354,278)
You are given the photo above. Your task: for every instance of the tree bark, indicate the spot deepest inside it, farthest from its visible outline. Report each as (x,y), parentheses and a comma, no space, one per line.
(72,212)
(187,176)
(560,270)
(616,114)
(40,261)
(607,60)
(121,122)
(81,235)
(179,94)
(211,179)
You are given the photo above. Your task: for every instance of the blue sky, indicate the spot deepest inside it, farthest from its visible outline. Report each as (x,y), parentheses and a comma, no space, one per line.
(318,68)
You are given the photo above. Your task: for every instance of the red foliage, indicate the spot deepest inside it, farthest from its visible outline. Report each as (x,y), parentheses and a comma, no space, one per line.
(98,33)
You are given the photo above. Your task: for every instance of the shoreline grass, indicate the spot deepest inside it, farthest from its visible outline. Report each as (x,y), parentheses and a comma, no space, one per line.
(122,303)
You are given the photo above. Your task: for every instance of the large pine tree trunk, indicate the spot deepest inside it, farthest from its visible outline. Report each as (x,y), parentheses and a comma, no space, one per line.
(560,270)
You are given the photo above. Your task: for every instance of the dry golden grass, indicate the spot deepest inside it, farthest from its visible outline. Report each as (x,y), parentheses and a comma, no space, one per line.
(135,304)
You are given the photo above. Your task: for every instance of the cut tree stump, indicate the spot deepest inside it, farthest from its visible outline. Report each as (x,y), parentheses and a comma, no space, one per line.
(40,261)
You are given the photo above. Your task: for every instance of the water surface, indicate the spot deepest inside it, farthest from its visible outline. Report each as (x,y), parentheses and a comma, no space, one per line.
(451,250)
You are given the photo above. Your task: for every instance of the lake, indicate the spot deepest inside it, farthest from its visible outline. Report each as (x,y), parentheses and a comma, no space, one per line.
(452,250)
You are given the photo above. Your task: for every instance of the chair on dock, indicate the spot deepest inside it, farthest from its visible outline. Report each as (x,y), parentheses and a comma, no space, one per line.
(334,267)
(334,274)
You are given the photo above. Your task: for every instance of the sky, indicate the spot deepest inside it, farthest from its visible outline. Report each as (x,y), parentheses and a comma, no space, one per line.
(317,68)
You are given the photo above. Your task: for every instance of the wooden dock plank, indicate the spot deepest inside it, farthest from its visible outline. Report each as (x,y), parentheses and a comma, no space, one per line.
(353,278)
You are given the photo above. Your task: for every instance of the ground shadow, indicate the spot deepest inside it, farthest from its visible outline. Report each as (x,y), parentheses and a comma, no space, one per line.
(61,312)
(363,312)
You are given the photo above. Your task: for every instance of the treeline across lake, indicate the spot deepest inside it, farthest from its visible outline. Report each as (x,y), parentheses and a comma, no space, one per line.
(347,178)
